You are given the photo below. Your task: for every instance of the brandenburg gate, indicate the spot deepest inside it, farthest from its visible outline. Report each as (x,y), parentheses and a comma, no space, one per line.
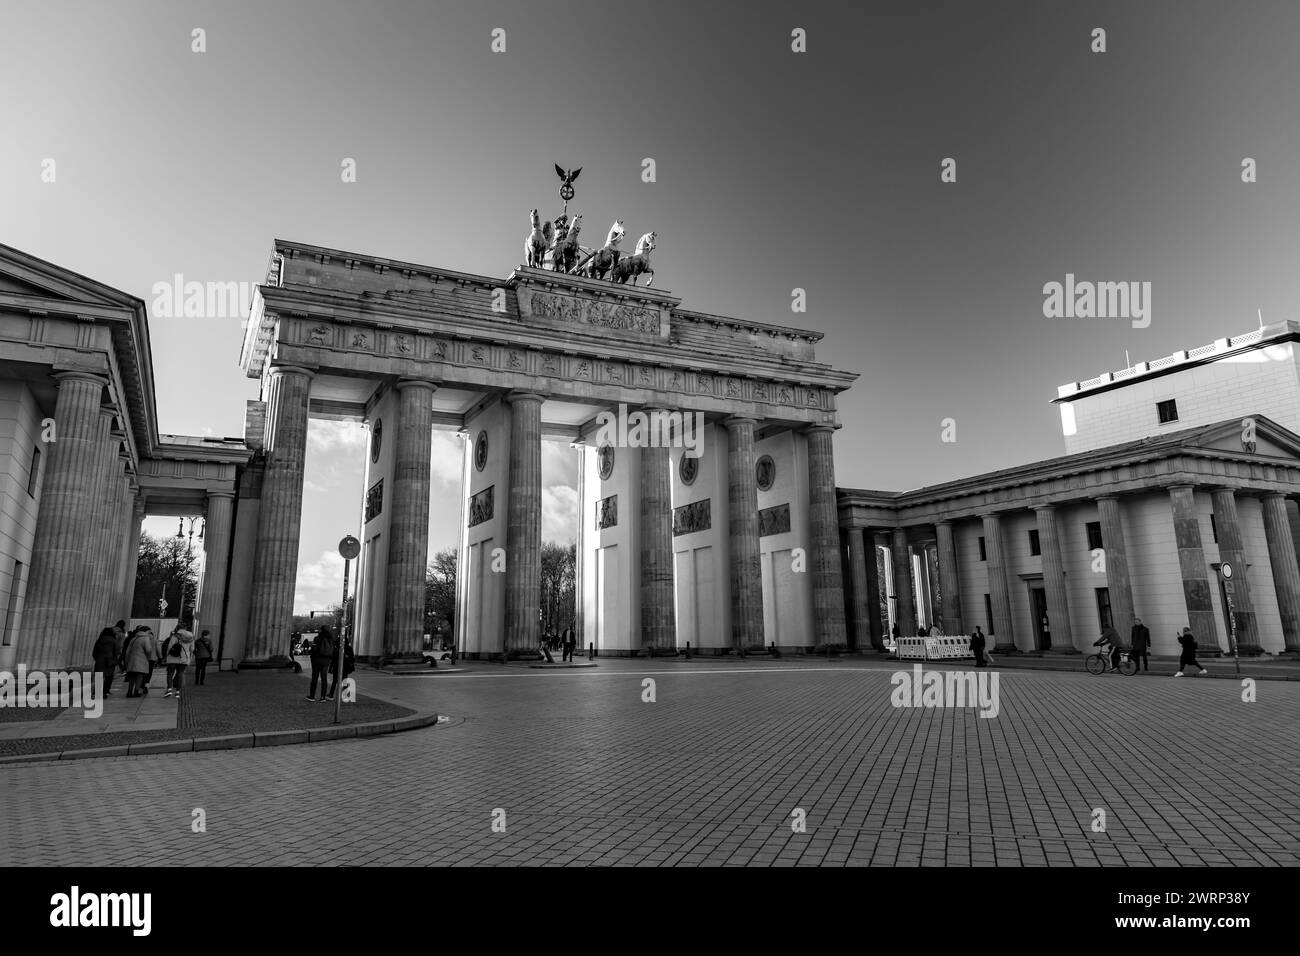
(727,539)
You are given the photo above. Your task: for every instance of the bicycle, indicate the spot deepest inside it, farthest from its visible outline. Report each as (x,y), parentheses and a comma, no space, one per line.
(1099,663)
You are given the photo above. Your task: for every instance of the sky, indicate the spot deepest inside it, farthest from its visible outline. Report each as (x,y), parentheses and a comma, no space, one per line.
(775,170)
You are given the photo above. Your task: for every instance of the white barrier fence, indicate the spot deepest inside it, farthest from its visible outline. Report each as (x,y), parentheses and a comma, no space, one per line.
(934,648)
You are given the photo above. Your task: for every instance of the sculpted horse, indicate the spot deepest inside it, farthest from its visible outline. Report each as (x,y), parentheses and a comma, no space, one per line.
(602,260)
(628,268)
(565,255)
(535,245)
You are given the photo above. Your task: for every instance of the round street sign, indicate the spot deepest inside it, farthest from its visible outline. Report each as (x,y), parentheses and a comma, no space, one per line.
(349,548)
(1226,570)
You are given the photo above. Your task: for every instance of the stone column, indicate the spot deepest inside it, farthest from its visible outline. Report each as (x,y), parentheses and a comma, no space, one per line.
(859,588)
(108,553)
(524,526)
(1232,550)
(999,589)
(1058,602)
(949,586)
(1117,576)
(830,629)
(56,592)
(216,558)
(1192,566)
(877,630)
(408,528)
(904,605)
(1286,570)
(742,523)
(132,556)
(658,621)
(121,542)
(94,561)
(279,525)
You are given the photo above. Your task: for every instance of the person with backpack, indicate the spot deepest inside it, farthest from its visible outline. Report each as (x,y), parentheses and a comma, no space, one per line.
(106,657)
(202,654)
(177,653)
(322,653)
(135,661)
(1188,656)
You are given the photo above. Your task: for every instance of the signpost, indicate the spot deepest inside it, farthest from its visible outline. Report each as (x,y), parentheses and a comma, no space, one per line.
(1229,591)
(349,548)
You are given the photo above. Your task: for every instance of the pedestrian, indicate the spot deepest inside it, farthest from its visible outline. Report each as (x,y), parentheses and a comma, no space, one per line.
(202,654)
(1140,639)
(177,653)
(135,660)
(322,652)
(977,642)
(1109,641)
(106,656)
(349,665)
(1188,656)
(936,630)
(894,632)
(119,634)
(150,642)
(570,641)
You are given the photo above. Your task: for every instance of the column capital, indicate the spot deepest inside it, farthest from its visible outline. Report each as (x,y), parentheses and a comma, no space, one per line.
(991,516)
(93,378)
(735,421)
(405,383)
(1106,498)
(943,523)
(1273,496)
(820,427)
(310,373)
(1048,506)
(221,493)
(514,398)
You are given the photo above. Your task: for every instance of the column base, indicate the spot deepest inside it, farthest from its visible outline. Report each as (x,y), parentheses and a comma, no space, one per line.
(401,660)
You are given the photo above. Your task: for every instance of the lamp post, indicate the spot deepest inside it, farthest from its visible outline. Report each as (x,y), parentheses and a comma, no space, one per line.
(189,553)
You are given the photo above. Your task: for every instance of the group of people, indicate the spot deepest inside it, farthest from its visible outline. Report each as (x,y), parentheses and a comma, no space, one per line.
(324,665)
(138,653)
(566,642)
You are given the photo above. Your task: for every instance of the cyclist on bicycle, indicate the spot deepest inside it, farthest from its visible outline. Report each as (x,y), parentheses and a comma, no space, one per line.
(1109,641)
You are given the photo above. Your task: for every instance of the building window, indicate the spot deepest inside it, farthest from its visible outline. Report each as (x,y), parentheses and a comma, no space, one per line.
(1214,529)
(988,610)
(1167,411)
(983,554)
(15,587)
(34,474)
(1094,535)
(1103,607)
(1033,542)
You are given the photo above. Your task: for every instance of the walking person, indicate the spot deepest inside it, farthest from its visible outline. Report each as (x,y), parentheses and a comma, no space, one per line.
(322,652)
(106,655)
(135,661)
(202,654)
(178,653)
(570,641)
(1140,639)
(977,642)
(1188,657)
(349,665)
(149,642)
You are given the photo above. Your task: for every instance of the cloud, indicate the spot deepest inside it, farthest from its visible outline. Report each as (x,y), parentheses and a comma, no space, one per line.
(448,462)
(320,584)
(325,436)
(560,513)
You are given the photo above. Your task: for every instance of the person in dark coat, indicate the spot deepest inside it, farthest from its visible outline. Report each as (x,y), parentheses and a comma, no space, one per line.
(349,665)
(136,661)
(322,653)
(977,644)
(106,656)
(570,641)
(202,654)
(1140,639)
(1188,656)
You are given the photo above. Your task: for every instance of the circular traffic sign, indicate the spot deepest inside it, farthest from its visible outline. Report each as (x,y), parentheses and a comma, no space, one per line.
(349,548)
(1226,569)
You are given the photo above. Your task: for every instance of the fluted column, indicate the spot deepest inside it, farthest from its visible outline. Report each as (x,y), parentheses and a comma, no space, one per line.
(279,525)
(859,588)
(742,523)
(408,528)
(876,628)
(131,556)
(1192,567)
(658,620)
(829,627)
(1118,582)
(216,558)
(999,589)
(1232,549)
(121,540)
(904,604)
(55,596)
(949,586)
(1286,570)
(107,556)
(1058,602)
(93,559)
(524,526)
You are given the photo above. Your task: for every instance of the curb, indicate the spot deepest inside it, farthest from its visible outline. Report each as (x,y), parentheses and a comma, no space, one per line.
(999,666)
(274,738)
